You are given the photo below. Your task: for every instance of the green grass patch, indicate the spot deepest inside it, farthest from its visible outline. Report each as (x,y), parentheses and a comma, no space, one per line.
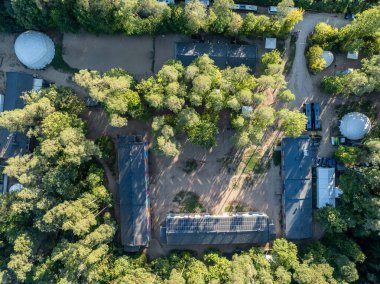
(292,54)
(188,202)
(236,207)
(59,64)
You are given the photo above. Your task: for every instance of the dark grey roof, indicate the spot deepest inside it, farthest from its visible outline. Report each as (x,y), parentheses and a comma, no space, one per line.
(298,219)
(297,189)
(12,144)
(297,158)
(217,229)
(133,192)
(223,54)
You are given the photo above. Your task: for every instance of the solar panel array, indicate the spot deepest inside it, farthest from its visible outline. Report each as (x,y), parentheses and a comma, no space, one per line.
(237,223)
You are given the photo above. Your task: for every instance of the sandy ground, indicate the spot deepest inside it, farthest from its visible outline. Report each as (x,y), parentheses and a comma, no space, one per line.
(142,56)
(306,86)
(9,62)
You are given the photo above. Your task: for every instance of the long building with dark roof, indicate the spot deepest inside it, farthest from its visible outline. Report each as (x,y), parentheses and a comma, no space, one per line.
(223,54)
(13,144)
(205,229)
(133,193)
(297,158)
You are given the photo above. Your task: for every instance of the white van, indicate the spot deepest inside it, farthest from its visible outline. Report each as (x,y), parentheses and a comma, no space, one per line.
(244,7)
(272,10)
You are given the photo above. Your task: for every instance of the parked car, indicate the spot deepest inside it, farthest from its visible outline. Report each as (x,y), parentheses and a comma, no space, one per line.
(349,16)
(344,72)
(205,2)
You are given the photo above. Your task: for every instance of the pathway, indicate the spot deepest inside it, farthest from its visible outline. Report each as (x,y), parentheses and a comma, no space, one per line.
(306,87)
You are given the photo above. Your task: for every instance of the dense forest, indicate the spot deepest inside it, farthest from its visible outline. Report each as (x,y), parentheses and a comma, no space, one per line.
(190,100)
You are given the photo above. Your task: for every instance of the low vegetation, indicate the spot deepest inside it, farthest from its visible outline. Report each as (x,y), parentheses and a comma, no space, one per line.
(188,202)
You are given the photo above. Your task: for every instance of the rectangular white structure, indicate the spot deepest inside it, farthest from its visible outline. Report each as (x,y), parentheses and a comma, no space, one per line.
(325,187)
(270,43)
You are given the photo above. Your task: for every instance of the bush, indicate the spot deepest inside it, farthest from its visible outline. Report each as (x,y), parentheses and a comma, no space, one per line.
(347,155)
(286,96)
(188,202)
(315,62)
(333,85)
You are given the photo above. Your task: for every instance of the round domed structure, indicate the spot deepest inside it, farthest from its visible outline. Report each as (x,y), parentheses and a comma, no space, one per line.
(328,56)
(16,187)
(355,125)
(34,49)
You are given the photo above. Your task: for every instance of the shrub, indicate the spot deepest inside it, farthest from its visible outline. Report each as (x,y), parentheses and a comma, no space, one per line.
(315,62)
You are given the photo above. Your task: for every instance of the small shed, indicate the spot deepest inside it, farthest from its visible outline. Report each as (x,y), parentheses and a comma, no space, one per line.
(353,55)
(326,192)
(270,43)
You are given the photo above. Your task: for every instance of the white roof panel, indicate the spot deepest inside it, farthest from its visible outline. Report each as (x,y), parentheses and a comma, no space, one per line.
(325,187)
(270,43)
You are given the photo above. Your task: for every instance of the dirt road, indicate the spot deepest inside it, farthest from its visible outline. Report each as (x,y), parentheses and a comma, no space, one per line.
(300,82)
(306,86)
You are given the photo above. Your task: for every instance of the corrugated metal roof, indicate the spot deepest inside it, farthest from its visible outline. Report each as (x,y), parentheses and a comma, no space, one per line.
(12,144)
(325,187)
(133,192)
(297,158)
(217,229)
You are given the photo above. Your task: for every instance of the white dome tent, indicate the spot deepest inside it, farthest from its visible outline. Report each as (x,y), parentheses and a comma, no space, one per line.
(328,56)
(355,125)
(16,187)
(34,49)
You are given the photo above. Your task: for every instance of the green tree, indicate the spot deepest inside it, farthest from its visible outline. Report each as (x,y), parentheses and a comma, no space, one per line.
(293,123)
(194,17)
(284,8)
(347,155)
(315,62)
(241,270)
(284,254)
(332,219)
(221,16)
(286,96)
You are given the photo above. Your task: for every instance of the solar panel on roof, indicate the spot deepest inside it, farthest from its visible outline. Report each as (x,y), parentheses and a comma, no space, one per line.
(216,224)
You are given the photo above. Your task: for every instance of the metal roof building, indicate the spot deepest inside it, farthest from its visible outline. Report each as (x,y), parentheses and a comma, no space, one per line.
(205,229)
(133,193)
(297,158)
(12,144)
(223,54)
(34,49)
(326,190)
